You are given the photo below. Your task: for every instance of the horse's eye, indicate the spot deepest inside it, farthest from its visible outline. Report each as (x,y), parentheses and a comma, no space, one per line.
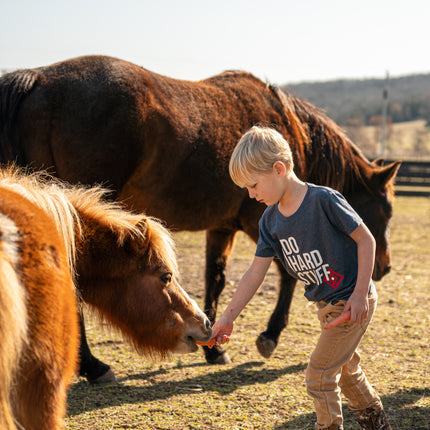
(166,278)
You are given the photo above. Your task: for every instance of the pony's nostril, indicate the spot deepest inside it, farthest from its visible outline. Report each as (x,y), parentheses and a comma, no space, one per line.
(387,270)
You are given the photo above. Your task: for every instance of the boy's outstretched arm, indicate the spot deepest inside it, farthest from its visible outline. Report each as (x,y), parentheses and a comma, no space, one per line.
(246,289)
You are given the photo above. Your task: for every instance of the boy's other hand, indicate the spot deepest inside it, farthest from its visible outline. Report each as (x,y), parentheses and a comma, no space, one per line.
(343,317)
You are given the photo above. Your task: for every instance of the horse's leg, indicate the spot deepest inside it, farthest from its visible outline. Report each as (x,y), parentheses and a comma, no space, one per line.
(268,339)
(89,366)
(219,244)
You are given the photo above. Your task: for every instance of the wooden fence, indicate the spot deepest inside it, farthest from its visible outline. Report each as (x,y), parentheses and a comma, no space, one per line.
(413,178)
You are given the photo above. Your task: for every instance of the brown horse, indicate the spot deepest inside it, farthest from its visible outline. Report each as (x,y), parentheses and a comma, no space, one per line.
(51,238)
(163,145)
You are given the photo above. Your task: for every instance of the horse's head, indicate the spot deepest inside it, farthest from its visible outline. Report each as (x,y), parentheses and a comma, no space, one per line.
(131,277)
(374,203)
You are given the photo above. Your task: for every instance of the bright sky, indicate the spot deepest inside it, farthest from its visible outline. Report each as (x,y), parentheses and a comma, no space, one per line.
(280,41)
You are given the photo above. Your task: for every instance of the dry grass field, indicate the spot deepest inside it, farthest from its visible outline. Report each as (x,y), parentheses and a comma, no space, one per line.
(406,140)
(184,392)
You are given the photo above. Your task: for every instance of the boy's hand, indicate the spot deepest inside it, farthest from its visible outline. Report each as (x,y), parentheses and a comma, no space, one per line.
(358,305)
(356,310)
(222,330)
(344,316)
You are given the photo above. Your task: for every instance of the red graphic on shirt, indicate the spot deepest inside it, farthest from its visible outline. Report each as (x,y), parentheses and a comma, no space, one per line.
(333,279)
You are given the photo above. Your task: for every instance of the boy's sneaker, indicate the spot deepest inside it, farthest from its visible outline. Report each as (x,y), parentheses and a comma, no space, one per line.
(373,418)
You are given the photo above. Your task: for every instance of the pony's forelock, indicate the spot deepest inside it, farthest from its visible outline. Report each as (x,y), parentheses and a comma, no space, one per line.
(162,244)
(125,223)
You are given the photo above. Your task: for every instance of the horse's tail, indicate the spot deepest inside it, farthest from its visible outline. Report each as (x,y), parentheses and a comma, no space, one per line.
(14,86)
(13,320)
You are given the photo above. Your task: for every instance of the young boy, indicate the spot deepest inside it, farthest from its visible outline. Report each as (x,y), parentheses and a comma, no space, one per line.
(323,242)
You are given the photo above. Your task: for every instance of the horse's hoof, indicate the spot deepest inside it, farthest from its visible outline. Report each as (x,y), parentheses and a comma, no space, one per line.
(265,346)
(222,359)
(216,355)
(107,377)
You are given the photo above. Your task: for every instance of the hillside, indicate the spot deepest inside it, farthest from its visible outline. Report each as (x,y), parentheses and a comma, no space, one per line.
(361,100)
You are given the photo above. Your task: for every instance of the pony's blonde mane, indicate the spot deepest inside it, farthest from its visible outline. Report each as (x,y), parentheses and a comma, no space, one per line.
(51,197)
(92,202)
(65,204)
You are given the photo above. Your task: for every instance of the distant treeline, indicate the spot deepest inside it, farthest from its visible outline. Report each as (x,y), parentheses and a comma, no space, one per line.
(355,102)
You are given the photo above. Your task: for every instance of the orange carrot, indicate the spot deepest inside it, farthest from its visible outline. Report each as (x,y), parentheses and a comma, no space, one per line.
(346,316)
(210,344)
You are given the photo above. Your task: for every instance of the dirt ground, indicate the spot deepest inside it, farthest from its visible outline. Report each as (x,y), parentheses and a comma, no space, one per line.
(183,392)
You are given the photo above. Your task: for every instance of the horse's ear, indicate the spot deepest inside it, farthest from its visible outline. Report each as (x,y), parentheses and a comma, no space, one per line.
(138,244)
(379,162)
(388,173)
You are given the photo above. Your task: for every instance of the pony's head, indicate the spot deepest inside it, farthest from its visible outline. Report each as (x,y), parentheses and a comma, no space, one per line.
(126,268)
(124,264)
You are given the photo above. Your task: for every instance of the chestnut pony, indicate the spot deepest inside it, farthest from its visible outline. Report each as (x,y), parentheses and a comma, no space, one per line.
(60,245)
(164,145)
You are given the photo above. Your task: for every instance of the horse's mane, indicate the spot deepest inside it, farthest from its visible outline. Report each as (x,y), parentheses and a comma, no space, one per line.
(65,204)
(331,158)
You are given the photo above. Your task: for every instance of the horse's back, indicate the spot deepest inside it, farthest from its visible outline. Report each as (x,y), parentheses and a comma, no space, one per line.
(103,120)
(163,144)
(91,100)
(75,111)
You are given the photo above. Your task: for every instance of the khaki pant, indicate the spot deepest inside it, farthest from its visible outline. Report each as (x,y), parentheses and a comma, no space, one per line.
(334,366)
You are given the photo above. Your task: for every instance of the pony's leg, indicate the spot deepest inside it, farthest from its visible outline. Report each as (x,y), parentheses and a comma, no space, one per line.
(41,398)
(89,366)
(268,339)
(219,244)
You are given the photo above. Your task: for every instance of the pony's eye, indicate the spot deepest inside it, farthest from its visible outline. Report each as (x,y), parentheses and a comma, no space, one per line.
(166,278)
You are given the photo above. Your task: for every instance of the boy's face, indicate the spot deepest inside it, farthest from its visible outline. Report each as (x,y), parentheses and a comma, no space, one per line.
(268,188)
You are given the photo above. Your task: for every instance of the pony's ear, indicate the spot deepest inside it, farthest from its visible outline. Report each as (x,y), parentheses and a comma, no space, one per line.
(388,173)
(138,244)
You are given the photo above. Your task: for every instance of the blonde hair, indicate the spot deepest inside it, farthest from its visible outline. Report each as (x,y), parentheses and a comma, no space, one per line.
(256,153)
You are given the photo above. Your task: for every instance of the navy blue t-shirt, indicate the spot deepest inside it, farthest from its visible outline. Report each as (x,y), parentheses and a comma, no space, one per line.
(314,243)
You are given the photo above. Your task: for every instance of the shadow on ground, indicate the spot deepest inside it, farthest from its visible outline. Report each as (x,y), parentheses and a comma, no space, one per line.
(408,417)
(223,382)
